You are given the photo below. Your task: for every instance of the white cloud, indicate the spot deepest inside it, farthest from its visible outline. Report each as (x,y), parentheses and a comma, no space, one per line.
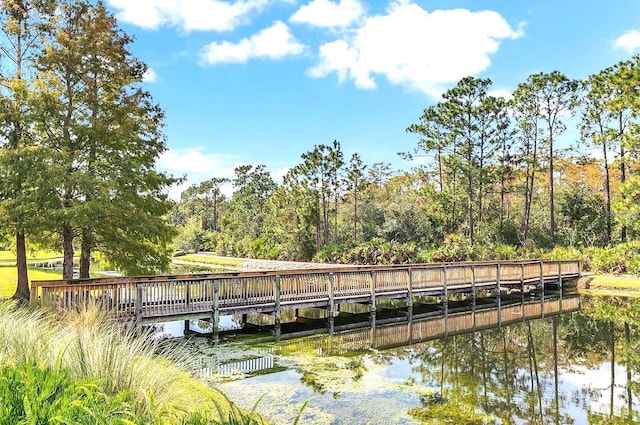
(197,165)
(505,94)
(189,15)
(274,42)
(629,41)
(150,76)
(414,48)
(325,13)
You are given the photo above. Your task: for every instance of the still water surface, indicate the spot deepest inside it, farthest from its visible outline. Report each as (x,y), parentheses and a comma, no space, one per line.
(557,361)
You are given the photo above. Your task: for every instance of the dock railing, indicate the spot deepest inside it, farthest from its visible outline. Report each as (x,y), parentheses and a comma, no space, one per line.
(267,291)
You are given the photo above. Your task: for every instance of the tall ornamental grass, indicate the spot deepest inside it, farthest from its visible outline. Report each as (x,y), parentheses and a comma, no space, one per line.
(87,346)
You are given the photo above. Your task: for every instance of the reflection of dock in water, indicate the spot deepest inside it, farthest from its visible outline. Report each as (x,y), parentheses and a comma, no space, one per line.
(391,332)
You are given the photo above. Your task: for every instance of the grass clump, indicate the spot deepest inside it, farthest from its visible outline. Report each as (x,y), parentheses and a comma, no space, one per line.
(83,361)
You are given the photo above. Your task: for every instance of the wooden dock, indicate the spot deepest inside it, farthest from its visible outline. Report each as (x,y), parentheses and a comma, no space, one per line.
(150,299)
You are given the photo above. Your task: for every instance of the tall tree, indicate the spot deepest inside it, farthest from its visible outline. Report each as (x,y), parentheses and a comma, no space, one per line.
(319,174)
(380,172)
(253,187)
(598,127)
(355,183)
(505,167)
(624,106)
(525,108)
(466,119)
(557,96)
(211,193)
(25,25)
(104,135)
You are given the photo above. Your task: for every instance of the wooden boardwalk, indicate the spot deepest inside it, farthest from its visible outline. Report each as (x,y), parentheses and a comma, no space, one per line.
(150,299)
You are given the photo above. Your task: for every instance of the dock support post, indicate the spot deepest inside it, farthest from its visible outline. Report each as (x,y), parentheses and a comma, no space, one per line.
(215,317)
(522,289)
(373,291)
(499,295)
(473,283)
(445,281)
(187,327)
(410,325)
(373,328)
(445,302)
(277,311)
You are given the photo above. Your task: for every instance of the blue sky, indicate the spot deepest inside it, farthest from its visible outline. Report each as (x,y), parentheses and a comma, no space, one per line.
(263,81)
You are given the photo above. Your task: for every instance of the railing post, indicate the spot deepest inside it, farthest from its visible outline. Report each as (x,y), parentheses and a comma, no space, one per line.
(473,280)
(560,276)
(410,288)
(542,285)
(276,295)
(373,291)
(332,305)
(216,308)
(139,294)
(33,295)
(498,277)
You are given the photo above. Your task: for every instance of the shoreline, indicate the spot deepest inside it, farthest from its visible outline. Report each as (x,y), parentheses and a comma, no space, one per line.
(609,284)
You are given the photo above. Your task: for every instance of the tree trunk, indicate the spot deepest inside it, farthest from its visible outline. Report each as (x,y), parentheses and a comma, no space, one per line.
(623,178)
(502,190)
(607,193)
(355,214)
(22,289)
(470,208)
(552,207)
(531,170)
(85,254)
(67,244)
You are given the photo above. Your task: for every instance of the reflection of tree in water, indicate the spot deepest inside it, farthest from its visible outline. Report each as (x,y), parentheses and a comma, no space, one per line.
(512,373)
(330,373)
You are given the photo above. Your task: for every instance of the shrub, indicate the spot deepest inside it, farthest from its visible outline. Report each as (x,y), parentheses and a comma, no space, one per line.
(32,393)
(93,351)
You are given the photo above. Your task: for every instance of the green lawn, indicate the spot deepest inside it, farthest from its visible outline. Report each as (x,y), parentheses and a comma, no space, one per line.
(9,278)
(37,255)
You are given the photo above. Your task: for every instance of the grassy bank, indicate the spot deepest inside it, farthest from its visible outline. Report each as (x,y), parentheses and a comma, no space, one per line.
(9,277)
(609,284)
(9,273)
(83,368)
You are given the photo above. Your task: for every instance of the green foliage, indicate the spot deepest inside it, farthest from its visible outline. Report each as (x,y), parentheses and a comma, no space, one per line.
(622,258)
(36,394)
(372,252)
(582,218)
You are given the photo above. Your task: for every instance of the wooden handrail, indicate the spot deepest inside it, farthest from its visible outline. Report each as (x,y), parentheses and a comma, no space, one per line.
(192,293)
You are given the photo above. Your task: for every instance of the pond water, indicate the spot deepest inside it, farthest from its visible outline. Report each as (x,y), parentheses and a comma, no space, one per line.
(565,360)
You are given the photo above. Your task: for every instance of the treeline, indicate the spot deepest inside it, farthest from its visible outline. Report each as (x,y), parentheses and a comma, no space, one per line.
(494,172)
(79,138)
